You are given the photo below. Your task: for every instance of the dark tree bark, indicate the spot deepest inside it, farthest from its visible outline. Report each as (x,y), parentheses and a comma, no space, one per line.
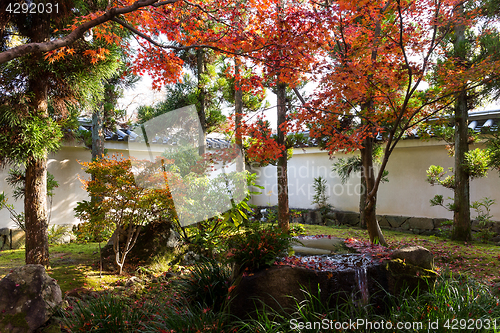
(35,210)
(362,202)
(370,217)
(461,217)
(97,134)
(35,200)
(283,208)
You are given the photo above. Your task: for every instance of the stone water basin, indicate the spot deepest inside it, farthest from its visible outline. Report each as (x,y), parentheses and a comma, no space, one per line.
(362,278)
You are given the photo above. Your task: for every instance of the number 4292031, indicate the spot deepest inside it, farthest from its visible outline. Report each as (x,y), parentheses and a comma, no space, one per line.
(32,8)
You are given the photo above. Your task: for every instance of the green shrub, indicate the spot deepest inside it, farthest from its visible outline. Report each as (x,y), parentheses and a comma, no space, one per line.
(56,233)
(484,217)
(259,246)
(320,197)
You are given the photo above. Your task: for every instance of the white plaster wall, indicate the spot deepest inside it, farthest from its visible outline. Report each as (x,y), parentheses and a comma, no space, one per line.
(65,166)
(407,193)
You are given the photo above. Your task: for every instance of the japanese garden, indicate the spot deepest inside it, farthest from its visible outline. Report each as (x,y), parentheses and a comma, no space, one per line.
(301,166)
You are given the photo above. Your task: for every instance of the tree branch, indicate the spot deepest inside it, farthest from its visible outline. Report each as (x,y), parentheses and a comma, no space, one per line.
(76,34)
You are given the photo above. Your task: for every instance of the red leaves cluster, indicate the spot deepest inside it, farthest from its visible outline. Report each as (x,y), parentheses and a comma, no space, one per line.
(369,56)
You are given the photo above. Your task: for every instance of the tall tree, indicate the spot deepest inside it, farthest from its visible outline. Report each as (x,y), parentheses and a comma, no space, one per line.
(461,216)
(35,89)
(475,39)
(286,38)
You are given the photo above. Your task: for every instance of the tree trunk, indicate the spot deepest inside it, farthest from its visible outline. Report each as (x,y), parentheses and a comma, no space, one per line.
(461,217)
(35,210)
(362,202)
(97,134)
(35,199)
(202,135)
(238,111)
(283,209)
(370,216)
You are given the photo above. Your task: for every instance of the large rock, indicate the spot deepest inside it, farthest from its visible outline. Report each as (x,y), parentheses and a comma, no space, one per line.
(406,278)
(411,269)
(415,255)
(326,243)
(154,239)
(28,298)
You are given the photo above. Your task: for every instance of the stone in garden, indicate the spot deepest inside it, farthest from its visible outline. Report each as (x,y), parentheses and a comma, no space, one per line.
(28,298)
(273,287)
(309,251)
(415,255)
(411,268)
(318,217)
(422,223)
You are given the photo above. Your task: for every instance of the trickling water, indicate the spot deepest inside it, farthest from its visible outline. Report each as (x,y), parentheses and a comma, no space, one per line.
(362,284)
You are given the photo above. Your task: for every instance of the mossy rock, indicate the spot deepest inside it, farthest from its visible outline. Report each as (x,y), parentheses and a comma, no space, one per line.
(410,278)
(14,322)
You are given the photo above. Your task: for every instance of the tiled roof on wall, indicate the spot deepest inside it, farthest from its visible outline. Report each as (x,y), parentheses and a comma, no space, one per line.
(479,121)
(124,134)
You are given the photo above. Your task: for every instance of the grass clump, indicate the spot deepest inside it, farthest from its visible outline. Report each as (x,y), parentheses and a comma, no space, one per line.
(207,284)
(106,313)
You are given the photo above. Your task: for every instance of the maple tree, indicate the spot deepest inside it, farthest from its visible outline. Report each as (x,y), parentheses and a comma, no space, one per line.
(126,202)
(283,43)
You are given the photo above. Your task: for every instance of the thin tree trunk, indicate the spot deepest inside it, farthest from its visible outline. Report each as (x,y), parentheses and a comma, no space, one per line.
(370,217)
(97,134)
(202,135)
(238,110)
(362,202)
(283,209)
